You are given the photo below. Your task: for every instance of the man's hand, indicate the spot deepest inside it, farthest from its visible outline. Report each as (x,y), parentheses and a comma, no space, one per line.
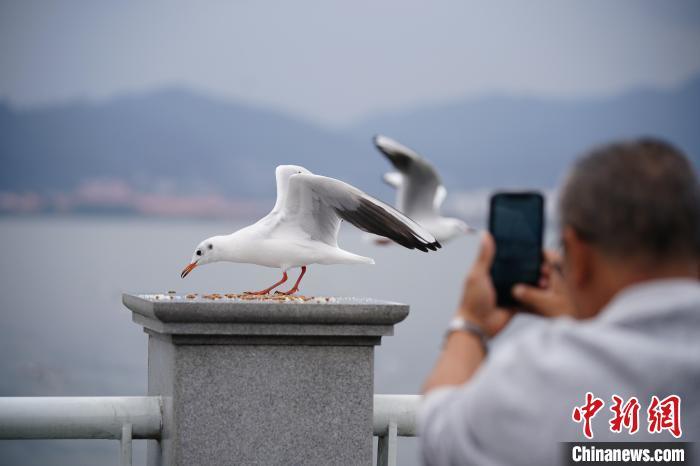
(551,298)
(463,352)
(478,303)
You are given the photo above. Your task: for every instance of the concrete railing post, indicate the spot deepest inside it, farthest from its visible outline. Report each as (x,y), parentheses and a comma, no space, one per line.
(263,382)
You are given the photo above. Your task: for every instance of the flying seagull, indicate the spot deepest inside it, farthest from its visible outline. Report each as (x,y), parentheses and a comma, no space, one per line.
(302,228)
(419,191)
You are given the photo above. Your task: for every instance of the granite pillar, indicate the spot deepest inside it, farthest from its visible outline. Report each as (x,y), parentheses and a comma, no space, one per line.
(263,382)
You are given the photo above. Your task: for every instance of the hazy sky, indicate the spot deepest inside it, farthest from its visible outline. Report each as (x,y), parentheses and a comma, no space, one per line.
(334,61)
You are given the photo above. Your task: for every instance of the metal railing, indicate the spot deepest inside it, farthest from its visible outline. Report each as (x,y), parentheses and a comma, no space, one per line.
(72,417)
(394,416)
(141,417)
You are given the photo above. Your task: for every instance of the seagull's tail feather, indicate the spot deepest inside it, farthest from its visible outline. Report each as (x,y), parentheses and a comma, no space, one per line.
(366,260)
(341,256)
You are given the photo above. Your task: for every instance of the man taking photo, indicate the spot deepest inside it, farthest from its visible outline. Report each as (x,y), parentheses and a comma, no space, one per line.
(618,358)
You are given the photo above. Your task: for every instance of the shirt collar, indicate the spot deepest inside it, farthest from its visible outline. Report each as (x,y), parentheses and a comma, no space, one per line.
(652,296)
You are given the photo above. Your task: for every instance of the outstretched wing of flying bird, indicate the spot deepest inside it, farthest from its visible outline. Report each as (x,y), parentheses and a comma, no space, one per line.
(316,205)
(420,192)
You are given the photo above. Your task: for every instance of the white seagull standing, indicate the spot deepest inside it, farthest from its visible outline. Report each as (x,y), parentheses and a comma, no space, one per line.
(419,191)
(302,228)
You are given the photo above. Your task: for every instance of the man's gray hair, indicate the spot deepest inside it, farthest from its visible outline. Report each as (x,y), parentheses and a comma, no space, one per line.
(637,198)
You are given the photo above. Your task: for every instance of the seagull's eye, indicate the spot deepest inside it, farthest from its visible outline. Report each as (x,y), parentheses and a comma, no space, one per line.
(211,246)
(199,252)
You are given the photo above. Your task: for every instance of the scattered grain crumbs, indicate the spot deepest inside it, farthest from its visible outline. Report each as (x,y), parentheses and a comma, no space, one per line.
(279,297)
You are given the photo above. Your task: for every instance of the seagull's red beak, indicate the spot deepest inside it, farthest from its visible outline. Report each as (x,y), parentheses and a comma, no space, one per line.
(188,269)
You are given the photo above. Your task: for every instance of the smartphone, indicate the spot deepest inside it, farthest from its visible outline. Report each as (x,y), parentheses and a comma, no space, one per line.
(516,221)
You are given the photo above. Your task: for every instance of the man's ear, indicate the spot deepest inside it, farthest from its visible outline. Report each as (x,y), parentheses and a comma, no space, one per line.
(579,257)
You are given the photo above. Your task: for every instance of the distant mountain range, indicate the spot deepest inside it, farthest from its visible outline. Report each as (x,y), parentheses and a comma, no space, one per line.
(178,152)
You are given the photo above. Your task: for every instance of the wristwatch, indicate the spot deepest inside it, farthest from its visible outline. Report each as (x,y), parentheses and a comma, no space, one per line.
(460,324)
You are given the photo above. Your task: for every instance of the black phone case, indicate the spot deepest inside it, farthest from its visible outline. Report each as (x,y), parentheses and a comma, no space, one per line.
(504,297)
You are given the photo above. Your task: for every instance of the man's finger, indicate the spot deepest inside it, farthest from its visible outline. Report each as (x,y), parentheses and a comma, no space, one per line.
(552,256)
(486,252)
(553,260)
(534,298)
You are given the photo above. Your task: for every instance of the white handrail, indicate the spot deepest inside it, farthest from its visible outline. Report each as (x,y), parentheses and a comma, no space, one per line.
(401,409)
(140,417)
(104,416)
(394,416)
(68,417)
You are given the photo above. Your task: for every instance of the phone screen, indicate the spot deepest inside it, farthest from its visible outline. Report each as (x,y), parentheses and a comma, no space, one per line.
(516,223)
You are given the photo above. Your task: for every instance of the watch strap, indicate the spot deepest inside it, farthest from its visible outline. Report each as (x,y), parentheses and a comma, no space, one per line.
(460,324)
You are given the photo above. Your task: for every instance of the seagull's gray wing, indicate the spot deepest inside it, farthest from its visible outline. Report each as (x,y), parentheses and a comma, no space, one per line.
(395,180)
(418,194)
(317,204)
(440,195)
(282,175)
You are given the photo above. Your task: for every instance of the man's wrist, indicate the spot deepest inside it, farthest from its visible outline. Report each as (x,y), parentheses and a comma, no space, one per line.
(477,320)
(464,325)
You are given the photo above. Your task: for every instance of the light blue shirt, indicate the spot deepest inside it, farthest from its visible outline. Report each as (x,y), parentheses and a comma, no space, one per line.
(518,406)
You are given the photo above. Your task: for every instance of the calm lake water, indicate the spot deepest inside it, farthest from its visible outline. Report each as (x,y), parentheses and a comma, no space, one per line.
(64,331)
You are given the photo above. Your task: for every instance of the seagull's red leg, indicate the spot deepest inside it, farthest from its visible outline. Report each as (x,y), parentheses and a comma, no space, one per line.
(295,288)
(267,290)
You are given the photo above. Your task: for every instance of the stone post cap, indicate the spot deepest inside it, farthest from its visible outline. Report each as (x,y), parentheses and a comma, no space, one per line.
(237,320)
